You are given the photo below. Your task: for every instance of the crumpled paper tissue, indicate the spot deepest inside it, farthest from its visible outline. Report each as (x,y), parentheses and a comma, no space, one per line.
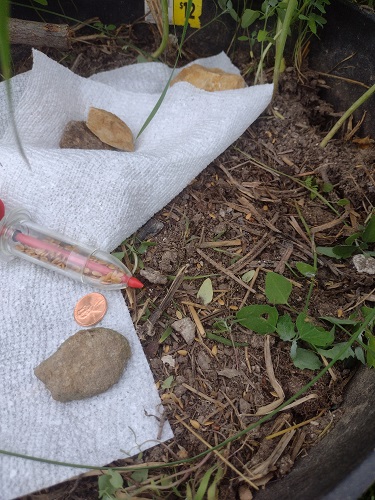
(98,198)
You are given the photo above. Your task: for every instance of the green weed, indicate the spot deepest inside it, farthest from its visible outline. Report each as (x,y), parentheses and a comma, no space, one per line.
(356,243)
(271,25)
(308,338)
(365,351)
(314,187)
(109,483)
(106,29)
(134,250)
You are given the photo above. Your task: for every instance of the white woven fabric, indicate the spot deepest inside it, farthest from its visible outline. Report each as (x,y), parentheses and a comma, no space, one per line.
(100,198)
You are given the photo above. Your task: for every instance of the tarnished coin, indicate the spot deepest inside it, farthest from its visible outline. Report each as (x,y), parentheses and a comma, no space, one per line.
(90,309)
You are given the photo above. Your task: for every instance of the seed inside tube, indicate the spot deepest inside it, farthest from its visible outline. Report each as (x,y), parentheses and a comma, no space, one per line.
(21,237)
(61,261)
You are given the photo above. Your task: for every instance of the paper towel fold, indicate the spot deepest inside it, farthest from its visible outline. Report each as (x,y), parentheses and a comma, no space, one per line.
(97,197)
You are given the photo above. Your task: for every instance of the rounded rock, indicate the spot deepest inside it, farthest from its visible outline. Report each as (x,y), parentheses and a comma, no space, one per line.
(86,364)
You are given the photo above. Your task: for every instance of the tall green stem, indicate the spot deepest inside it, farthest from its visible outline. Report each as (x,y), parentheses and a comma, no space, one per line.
(164,40)
(346,115)
(280,43)
(5,69)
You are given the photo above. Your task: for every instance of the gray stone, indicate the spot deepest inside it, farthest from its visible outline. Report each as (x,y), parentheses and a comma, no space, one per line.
(364,264)
(76,135)
(229,373)
(203,361)
(150,229)
(186,328)
(86,364)
(153,276)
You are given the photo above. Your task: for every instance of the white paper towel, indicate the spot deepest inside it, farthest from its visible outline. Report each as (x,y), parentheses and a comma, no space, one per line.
(100,198)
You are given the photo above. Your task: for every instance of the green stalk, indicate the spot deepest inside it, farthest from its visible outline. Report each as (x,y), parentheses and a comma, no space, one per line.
(164,40)
(280,43)
(262,57)
(161,98)
(315,258)
(346,115)
(5,69)
(4,39)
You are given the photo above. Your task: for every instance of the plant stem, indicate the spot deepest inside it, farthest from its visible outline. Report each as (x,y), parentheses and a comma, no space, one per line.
(280,44)
(5,68)
(164,40)
(346,115)
(315,257)
(161,98)
(262,57)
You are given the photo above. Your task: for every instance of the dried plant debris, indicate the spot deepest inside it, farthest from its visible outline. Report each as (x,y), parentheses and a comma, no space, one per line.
(86,364)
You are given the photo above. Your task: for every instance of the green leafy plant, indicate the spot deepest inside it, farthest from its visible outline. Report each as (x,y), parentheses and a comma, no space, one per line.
(308,338)
(271,24)
(359,242)
(109,483)
(365,351)
(134,249)
(315,187)
(106,29)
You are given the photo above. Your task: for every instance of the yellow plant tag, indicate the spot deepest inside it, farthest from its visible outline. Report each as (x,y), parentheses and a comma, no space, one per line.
(180,11)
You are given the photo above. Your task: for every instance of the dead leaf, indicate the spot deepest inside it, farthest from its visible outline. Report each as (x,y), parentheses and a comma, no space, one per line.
(363,142)
(263,410)
(205,292)
(244,493)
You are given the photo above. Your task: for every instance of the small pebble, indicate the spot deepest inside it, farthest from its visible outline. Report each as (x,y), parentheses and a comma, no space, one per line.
(153,276)
(204,361)
(186,328)
(76,135)
(364,264)
(150,229)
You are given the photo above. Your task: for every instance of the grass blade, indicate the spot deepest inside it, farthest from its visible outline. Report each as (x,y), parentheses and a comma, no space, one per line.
(161,98)
(5,69)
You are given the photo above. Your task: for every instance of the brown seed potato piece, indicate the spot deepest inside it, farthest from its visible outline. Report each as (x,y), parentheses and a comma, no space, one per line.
(110,129)
(210,79)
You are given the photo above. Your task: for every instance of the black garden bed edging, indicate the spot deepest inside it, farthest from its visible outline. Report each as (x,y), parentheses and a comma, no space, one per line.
(346,49)
(342,465)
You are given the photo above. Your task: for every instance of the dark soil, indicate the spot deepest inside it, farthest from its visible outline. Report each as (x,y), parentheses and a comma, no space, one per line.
(248,194)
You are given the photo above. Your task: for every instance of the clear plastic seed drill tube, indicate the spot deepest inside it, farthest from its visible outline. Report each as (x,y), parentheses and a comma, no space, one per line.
(21,237)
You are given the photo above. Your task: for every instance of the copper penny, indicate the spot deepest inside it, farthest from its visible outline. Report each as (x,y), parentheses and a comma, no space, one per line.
(90,309)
